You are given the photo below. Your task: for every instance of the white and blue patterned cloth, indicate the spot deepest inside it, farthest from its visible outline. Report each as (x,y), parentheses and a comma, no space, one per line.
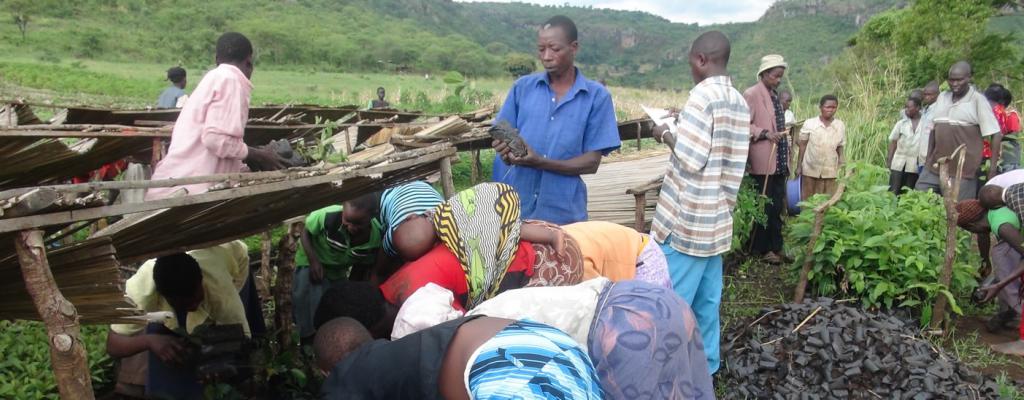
(528,360)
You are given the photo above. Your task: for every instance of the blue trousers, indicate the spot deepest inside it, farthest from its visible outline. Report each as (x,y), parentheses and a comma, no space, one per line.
(698,280)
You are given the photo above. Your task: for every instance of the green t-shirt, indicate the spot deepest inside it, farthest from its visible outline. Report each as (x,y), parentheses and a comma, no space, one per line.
(1000,216)
(333,245)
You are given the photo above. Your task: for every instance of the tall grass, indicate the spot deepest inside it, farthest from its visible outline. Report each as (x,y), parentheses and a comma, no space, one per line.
(870,103)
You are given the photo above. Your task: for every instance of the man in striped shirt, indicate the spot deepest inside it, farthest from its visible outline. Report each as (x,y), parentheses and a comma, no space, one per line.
(693,220)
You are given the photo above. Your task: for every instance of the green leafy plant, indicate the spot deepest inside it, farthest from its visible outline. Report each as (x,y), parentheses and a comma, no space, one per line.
(749,211)
(322,149)
(25,371)
(884,250)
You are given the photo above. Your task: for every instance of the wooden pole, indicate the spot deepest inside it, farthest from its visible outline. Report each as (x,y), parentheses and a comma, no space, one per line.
(475,166)
(639,130)
(641,205)
(819,224)
(67,351)
(447,183)
(263,280)
(950,193)
(158,151)
(283,288)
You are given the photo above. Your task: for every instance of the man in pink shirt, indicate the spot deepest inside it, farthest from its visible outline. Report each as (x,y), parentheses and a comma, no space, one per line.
(207,137)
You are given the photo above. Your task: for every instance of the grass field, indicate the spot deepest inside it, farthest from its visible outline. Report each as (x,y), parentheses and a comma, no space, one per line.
(110,84)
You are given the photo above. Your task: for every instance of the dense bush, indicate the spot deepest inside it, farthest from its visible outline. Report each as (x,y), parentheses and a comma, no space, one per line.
(25,371)
(749,211)
(884,250)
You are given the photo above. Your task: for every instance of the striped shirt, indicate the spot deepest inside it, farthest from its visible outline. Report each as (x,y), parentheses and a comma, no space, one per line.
(399,202)
(708,160)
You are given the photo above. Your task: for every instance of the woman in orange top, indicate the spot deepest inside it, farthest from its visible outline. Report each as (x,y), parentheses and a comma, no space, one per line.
(618,253)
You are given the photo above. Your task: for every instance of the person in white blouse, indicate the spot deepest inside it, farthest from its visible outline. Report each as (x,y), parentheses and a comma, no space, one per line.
(904,156)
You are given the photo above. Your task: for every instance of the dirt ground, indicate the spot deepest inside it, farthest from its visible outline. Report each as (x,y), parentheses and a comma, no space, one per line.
(968,326)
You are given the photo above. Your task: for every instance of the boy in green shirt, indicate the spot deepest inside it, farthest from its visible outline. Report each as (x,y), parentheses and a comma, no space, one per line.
(1005,258)
(337,243)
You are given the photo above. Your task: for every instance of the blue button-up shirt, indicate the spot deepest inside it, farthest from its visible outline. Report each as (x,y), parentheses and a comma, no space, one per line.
(581,122)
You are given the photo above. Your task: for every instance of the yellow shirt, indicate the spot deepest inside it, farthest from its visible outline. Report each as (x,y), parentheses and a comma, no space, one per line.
(225,269)
(823,143)
(609,250)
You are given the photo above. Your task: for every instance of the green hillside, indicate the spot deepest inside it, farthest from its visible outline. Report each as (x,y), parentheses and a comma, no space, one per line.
(421,36)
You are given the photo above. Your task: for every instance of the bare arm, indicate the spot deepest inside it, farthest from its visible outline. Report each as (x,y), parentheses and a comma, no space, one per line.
(119,345)
(800,162)
(996,146)
(316,269)
(542,235)
(167,348)
(842,157)
(892,153)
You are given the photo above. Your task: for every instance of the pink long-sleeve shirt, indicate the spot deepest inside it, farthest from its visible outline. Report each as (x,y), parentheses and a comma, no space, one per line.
(207,137)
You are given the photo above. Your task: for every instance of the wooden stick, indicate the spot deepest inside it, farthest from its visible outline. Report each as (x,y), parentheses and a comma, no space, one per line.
(641,211)
(263,279)
(21,223)
(30,203)
(639,130)
(804,322)
(475,166)
(950,194)
(283,288)
(67,352)
(819,225)
(447,182)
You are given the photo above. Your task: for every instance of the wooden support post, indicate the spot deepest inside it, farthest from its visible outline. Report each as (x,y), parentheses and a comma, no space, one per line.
(639,130)
(819,224)
(950,193)
(158,151)
(640,197)
(283,288)
(641,211)
(447,183)
(348,142)
(263,279)
(475,166)
(67,352)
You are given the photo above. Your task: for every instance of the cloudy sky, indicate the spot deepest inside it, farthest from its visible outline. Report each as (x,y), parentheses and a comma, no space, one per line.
(703,12)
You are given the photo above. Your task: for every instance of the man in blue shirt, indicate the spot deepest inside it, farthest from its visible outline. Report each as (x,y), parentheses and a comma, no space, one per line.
(172,96)
(568,123)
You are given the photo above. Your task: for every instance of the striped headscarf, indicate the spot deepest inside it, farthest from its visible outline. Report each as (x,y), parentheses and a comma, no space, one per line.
(480,225)
(397,203)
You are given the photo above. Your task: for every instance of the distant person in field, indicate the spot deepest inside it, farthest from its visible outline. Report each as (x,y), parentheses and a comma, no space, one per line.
(787,100)
(1009,126)
(567,122)
(174,96)
(1003,260)
(693,220)
(904,156)
(960,116)
(929,94)
(379,102)
(207,137)
(769,155)
(821,150)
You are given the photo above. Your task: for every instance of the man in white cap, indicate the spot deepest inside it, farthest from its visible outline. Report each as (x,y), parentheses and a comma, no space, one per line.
(768,160)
